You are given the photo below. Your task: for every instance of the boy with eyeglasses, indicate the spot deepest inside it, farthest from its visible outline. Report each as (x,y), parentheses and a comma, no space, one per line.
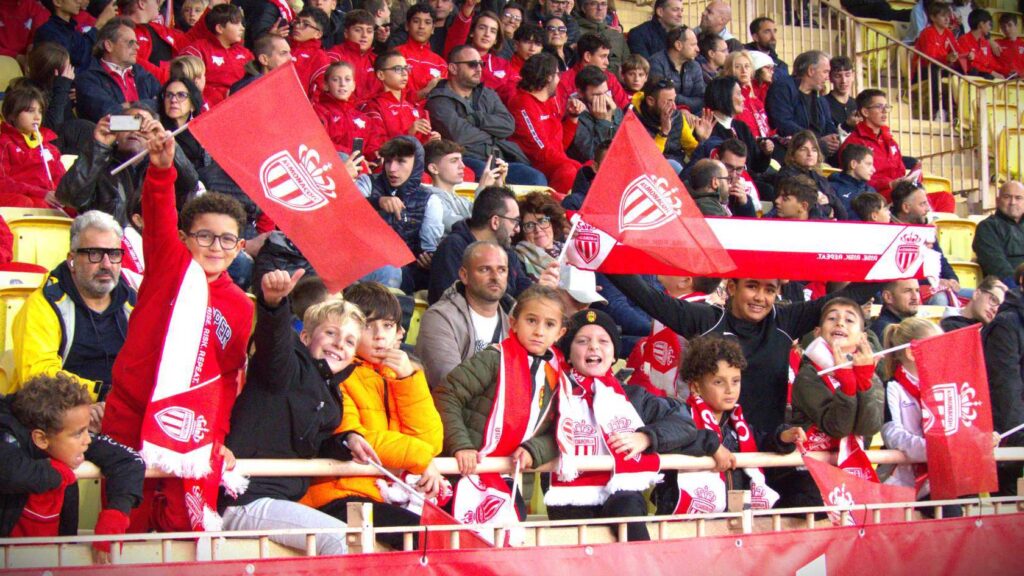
(175,383)
(392,106)
(76,322)
(306,41)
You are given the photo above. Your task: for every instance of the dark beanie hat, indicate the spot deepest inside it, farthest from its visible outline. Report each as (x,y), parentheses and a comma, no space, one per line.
(584,318)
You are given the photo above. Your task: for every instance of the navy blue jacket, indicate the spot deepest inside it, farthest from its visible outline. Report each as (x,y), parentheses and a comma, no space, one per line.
(648,38)
(79,45)
(413,196)
(99,95)
(846,188)
(444,268)
(632,320)
(689,82)
(787,113)
(781,68)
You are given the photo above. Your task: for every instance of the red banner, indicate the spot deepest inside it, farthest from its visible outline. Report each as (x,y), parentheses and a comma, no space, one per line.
(956,413)
(771,248)
(986,546)
(281,156)
(638,199)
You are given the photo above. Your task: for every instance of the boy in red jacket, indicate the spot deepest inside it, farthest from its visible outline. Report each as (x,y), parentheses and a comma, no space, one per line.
(427,67)
(977,46)
(222,51)
(311,60)
(540,132)
(1012,46)
(175,382)
(357,51)
(390,107)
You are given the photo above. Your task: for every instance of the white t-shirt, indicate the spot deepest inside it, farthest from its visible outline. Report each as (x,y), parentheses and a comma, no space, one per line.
(484,329)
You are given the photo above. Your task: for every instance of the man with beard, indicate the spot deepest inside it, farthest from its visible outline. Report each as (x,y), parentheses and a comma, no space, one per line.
(471,314)
(910,206)
(763,30)
(88,184)
(496,219)
(77,320)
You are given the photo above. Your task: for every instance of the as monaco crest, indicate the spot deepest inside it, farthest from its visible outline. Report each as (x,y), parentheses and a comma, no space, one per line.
(648,203)
(587,242)
(181,424)
(907,251)
(297,184)
(663,354)
(949,408)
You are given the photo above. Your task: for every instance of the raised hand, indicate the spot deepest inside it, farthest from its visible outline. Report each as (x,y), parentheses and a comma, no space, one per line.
(278,284)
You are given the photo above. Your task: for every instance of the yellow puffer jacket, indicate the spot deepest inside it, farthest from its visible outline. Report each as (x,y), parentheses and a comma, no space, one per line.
(396,416)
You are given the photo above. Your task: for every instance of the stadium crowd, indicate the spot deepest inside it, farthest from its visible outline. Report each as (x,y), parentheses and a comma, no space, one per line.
(421,100)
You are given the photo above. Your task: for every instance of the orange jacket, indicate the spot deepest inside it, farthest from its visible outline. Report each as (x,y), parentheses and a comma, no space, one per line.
(396,416)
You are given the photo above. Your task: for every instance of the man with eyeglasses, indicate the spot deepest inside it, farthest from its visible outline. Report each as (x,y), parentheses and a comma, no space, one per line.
(157,43)
(76,322)
(984,305)
(113,79)
(465,111)
(511,17)
(560,9)
(709,187)
(651,37)
(592,19)
(305,40)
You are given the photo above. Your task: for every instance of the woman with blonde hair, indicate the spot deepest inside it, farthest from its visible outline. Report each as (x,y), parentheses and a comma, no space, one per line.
(740,66)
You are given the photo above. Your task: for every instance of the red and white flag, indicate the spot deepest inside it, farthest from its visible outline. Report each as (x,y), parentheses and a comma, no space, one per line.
(769,248)
(638,199)
(956,413)
(283,159)
(433,515)
(840,488)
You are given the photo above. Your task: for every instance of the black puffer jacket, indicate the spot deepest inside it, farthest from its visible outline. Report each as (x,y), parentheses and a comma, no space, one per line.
(1004,361)
(412,194)
(27,470)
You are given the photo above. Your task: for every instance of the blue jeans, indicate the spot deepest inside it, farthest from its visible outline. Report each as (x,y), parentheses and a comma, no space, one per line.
(518,173)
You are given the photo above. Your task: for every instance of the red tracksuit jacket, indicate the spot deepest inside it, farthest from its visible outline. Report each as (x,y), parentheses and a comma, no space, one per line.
(984,61)
(540,134)
(367,84)
(176,38)
(311,61)
(344,123)
(935,44)
(425,66)
(394,115)
(19,20)
(1013,54)
(134,374)
(567,87)
(224,66)
(24,179)
(888,159)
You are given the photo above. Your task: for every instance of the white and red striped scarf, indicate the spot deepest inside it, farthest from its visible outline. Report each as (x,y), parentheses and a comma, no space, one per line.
(590,410)
(133,265)
(852,458)
(660,352)
(183,412)
(912,386)
(518,410)
(705,492)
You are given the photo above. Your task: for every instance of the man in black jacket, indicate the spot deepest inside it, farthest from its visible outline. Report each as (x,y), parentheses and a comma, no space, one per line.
(1004,361)
(33,457)
(114,79)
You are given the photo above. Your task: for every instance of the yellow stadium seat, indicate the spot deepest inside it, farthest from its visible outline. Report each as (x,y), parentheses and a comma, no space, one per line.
(414,322)
(42,240)
(1009,153)
(878,46)
(466,190)
(969,273)
(933,313)
(9,70)
(933,183)
(521,190)
(13,213)
(1000,117)
(955,238)
(11,300)
(826,170)
(6,371)
(31,279)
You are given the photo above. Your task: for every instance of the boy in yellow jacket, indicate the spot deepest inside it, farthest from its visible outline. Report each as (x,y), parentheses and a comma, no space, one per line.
(387,401)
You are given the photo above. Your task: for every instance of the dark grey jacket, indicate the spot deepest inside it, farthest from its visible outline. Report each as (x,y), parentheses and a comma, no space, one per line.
(480,123)
(590,132)
(689,82)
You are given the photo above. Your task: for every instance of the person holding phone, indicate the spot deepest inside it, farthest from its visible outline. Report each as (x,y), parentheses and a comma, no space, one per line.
(345,124)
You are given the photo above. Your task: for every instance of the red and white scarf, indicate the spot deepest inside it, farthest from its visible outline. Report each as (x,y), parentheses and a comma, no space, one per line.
(133,266)
(912,387)
(182,417)
(705,492)
(518,410)
(852,458)
(661,351)
(590,410)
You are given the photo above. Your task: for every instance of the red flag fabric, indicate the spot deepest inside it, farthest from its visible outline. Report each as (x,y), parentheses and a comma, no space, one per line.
(637,198)
(433,515)
(281,156)
(770,248)
(840,488)
(956,413)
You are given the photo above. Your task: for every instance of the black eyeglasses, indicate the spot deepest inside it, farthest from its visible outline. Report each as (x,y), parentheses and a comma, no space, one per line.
(664,83)
(304,24)
(398,69)
(559,29)
(518,222)
(96,254)
(471,63)
(205,239)
(542,222)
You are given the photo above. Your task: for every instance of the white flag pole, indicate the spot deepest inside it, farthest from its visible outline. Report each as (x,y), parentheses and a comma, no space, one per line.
(875,355)
(138,157)
(565,247)
(1013,430)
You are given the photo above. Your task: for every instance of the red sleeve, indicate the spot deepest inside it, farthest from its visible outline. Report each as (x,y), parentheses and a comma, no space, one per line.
(457,34)
(847,381)
(158,210)
(932,44)
(6,242)
(864,376)
(618,92)
(568,132)
(10,184)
